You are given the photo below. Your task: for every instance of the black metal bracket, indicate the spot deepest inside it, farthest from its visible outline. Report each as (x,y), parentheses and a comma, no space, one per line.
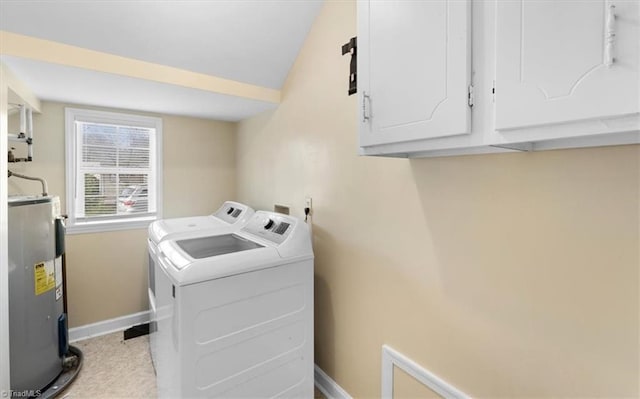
(352,47)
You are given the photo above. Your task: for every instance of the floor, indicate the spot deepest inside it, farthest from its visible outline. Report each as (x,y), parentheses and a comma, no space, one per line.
(117,369)
(114,368)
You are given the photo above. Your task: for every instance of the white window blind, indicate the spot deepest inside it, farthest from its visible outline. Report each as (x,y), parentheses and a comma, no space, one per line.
(113,173)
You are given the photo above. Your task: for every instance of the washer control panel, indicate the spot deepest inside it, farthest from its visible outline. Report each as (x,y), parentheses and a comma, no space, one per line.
(230,213)
(270,226)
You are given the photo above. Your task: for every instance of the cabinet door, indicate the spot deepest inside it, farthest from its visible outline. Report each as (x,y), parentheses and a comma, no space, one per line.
(413,70)
(565,60)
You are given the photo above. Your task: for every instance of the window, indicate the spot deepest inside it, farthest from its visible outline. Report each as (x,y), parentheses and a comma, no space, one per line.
(114,170)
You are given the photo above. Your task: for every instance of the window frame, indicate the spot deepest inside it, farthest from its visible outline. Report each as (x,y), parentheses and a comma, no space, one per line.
(101,224)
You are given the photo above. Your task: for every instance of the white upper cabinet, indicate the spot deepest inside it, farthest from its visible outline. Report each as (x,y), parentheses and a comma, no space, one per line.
(543,74)
(414,70)
(564,61)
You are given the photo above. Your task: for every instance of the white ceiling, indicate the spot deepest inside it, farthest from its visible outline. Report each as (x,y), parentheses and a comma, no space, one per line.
(251,41)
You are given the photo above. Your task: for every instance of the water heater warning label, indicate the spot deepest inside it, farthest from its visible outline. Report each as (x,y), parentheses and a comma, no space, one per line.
(44,277)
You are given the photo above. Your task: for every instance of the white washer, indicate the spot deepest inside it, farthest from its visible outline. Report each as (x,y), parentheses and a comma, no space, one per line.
(235,312)
(230,216)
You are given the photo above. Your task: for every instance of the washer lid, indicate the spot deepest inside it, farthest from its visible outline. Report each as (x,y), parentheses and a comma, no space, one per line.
(205,247)
(167,228)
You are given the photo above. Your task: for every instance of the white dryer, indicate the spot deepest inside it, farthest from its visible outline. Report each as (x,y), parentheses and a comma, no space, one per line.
(235,312)
(229,217)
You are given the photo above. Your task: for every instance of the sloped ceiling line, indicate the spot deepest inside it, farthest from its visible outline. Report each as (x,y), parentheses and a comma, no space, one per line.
(16,45)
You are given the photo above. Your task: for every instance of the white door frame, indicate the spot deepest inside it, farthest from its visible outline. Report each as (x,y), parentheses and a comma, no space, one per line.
(4,262)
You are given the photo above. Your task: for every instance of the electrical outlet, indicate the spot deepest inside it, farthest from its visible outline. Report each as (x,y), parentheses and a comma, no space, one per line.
(308,203)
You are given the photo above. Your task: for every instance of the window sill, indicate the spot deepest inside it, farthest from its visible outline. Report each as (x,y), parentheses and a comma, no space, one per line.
(110,225)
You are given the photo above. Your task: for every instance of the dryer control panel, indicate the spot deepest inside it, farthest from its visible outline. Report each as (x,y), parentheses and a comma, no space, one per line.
(270,226)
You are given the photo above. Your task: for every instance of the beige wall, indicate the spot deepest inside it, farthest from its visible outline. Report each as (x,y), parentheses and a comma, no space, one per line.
(512,275)
(107,272)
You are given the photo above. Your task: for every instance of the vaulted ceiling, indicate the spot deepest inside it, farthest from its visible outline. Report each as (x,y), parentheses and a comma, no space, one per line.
(218,59)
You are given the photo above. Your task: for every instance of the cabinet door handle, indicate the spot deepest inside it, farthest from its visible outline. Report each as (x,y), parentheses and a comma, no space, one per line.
(365,98)
(610,35)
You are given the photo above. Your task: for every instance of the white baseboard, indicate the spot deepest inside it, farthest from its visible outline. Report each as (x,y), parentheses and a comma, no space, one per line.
(107,326)
(392,358)
(329,387)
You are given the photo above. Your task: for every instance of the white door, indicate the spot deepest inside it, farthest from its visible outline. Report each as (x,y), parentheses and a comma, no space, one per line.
(413,70)
(565,60)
